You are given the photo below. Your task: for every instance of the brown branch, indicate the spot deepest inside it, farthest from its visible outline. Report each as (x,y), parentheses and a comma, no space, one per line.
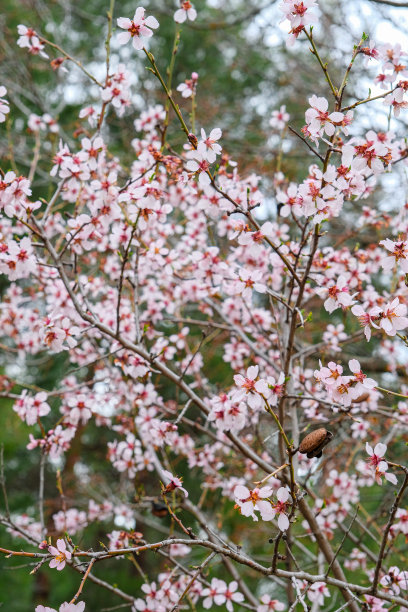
(306,143)
(81,586)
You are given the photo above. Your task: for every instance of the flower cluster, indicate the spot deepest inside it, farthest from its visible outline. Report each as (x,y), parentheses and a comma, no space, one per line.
(344,389)
(319,121)
(299,15)
(161,276)
(390,318)
(28,39)
(249,501)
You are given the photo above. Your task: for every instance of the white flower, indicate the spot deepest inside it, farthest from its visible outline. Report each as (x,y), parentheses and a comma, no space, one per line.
(136,28)
(251,500)
(187,11)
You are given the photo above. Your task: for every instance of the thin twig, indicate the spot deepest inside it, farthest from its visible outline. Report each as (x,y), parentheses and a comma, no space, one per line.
(387,531)
(81,586)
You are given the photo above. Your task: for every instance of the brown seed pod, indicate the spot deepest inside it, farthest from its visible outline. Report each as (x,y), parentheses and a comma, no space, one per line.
(361,398)
(312,445)
(159,509)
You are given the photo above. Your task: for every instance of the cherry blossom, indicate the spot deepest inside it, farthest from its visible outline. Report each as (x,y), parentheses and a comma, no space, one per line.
(89,112)
(317,592)
(61,555)
(395,580)
(208,147)
(366,318)
(64,607)
(4,105)
(363,383)
(392,317)
(279,118)
(187,11)
(273,389)
(183,293)
(17,259)
(199,166)
(377,462)
(334,334)
(396,101)
(58,330)
(298,15)
(269,604)
(250,501)
(338,295)
(280,508)
(213,593)
(319,120)
(250,388)
(137,28)
(28,39)
(188,88)
(31,408)
(174,483)
(229,595)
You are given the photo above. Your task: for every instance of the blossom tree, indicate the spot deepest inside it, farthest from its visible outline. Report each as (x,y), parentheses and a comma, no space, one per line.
(239,372)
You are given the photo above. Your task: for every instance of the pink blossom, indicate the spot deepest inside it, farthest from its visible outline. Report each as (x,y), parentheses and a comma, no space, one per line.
(376,604)
(208,147)
(187,11)
(290,200)
(395,580)
(396,100)
(64,607)
(28,39)
(229,594)
(317,592)
(212,594)
(299,16)
(338,295)
(399,254)
(366,318)
(250,501)
(173,483)
(199,166)
(137,28)
(319,120)
(280,508)
(377,462)
(392,317)
(279,118)
(188,88)
(4,105)
(18,260)
(273,389)
(89,113)
(61,555)
(269,604)
(250,388)
(363,383)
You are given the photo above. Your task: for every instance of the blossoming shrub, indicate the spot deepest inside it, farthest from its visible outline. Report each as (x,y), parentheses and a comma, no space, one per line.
(201,342)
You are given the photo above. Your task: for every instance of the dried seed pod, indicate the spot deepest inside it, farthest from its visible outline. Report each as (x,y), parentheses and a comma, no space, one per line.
(361,398)
(312,445)
(159,509)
